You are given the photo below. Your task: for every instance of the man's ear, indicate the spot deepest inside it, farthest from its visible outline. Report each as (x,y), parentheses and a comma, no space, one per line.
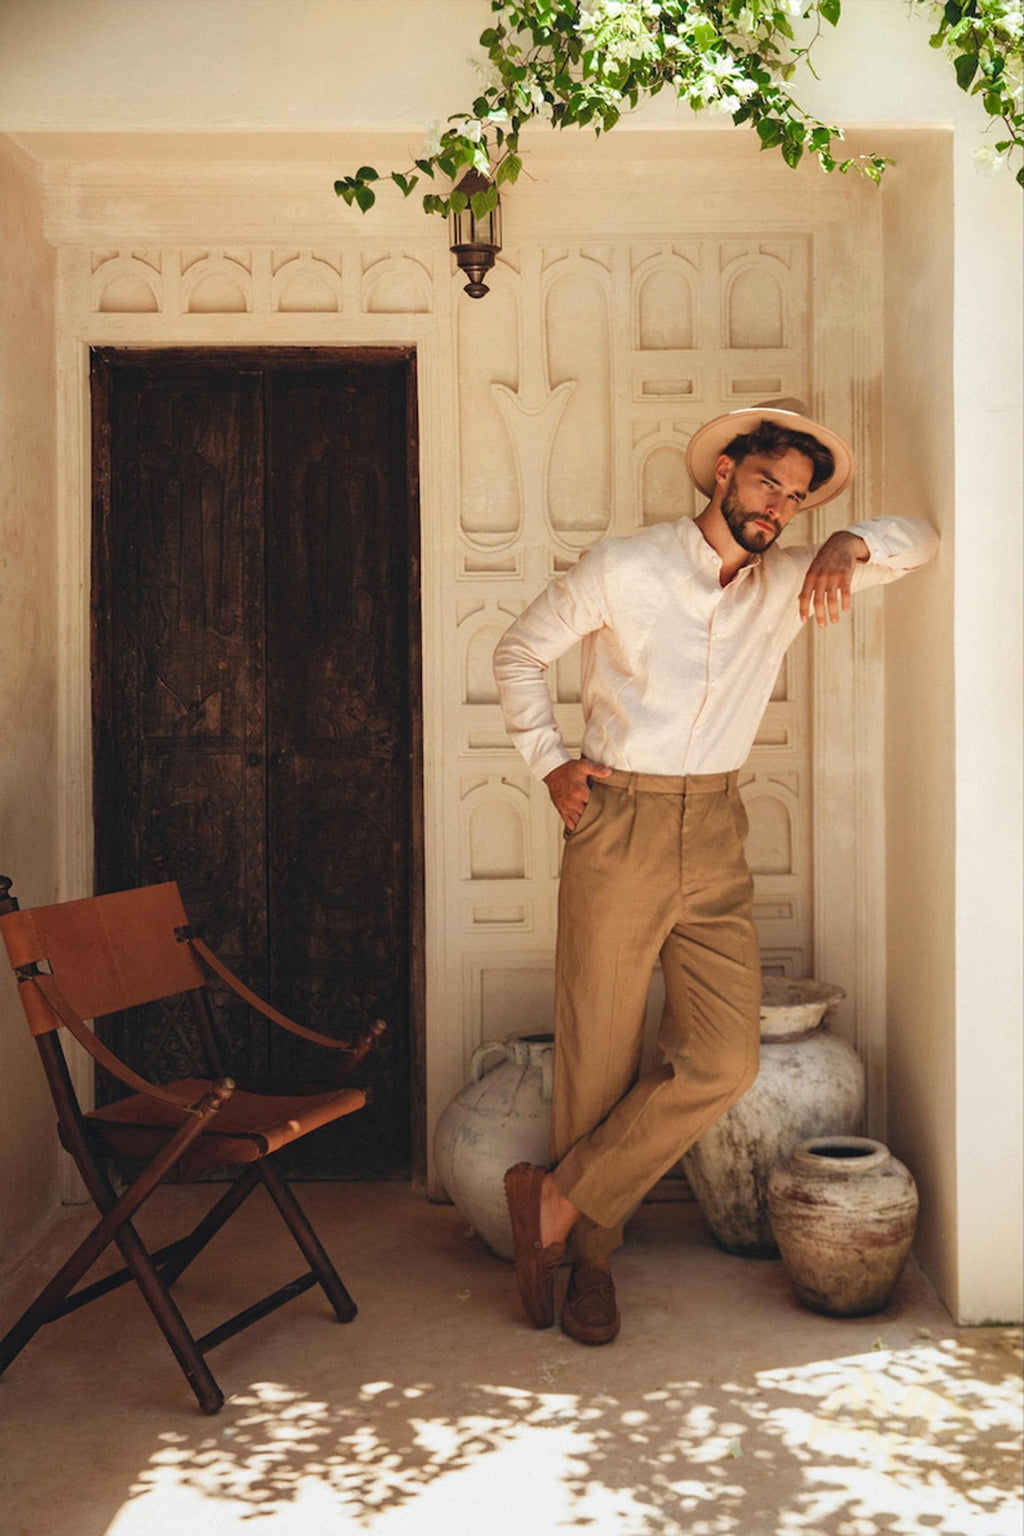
(724,467)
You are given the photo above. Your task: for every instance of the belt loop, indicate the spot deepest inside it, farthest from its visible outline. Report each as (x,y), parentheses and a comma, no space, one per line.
(631,788)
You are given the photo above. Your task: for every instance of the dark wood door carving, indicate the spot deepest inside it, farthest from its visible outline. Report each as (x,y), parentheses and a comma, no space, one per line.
(256,701)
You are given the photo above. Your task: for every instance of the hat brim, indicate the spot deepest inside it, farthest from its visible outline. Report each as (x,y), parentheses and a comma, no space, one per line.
(710,441)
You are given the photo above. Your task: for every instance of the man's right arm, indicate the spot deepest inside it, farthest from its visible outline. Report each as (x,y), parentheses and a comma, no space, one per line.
(569,608)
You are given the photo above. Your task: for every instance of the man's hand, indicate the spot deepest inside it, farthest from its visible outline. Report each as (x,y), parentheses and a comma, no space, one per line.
(826,587)
(569,788)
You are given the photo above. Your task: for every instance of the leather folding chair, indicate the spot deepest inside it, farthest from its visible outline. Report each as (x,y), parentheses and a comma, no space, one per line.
(80,960)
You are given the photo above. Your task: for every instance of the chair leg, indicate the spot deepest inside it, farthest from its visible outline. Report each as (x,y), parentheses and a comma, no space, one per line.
(157,1297)
(170,1321)
(188,1248)
(310,1245)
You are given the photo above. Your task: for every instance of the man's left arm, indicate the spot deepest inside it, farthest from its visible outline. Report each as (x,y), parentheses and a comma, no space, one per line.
(864,554)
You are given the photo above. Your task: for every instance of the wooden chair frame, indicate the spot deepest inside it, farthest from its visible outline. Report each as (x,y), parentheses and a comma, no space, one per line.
(187,1116)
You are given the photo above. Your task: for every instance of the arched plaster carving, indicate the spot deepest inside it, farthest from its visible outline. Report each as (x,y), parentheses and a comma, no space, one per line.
(664,310)
(665,492)
(398,285)
(770,845)
(126,285)
(480,685)
(754,309)
(306,284)
(577,330)
(496,832)
(216,285)
(491,509)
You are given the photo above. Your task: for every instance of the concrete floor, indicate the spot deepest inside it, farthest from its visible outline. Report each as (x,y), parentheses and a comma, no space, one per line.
(722,1408)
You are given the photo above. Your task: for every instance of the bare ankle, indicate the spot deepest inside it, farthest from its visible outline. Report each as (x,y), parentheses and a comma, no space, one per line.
(557,1214)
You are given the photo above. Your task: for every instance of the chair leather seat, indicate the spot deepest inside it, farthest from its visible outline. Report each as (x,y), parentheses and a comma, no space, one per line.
(248,1127)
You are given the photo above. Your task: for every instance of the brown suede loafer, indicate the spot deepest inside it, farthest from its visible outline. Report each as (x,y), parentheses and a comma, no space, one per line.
(589,1313)
(535,1264)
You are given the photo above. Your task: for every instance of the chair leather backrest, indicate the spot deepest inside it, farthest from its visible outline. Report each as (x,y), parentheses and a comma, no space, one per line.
(108,952)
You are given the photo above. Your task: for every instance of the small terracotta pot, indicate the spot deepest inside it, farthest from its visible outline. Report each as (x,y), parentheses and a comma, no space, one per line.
(843,1211)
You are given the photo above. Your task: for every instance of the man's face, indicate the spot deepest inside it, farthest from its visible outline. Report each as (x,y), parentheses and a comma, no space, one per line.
(762,494)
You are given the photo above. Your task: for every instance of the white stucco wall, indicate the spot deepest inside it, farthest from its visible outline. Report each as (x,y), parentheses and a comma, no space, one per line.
(29,792)
(952,401)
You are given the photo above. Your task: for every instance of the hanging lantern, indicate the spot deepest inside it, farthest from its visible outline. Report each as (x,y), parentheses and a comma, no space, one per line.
(475,242)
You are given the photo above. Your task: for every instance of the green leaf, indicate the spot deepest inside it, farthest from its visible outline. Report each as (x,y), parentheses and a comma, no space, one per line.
(509,170)
(365,197)
(792,153)
(482,202)
(366,173)
(457,201)
(966,66)
(769,131)
(830,9)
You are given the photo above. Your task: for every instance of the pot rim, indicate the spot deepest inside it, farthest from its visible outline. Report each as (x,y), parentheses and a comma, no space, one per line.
(853,1154)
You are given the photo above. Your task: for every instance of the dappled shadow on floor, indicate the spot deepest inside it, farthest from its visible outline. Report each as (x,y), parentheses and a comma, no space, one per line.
(722,1410)
(902,1439)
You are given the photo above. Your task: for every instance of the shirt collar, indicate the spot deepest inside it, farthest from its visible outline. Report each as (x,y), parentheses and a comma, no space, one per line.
(690,534)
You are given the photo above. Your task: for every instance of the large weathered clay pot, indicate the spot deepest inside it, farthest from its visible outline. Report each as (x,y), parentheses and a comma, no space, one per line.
(811,1083)
(843,1211)
(502,1116)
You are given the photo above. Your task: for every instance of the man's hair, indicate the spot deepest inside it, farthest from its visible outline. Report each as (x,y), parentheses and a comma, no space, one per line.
(771,439)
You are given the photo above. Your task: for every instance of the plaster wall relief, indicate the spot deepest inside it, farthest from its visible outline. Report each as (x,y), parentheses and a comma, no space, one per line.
(578,392)
(261,281)
(552,413)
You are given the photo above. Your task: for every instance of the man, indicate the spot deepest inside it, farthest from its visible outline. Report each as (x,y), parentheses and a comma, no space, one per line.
(684,626)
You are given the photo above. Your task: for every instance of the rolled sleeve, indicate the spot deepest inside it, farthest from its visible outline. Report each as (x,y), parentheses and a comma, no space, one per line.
(568,609)
(896,545)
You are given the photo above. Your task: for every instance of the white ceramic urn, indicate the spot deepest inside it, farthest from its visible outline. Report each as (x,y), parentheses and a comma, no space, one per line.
(811,1083)
(502,1116)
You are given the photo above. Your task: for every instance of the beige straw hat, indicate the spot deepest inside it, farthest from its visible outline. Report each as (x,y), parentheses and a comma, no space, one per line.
(710,441)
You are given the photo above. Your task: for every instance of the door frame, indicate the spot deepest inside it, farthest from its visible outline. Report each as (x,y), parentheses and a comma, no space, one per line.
(99,513)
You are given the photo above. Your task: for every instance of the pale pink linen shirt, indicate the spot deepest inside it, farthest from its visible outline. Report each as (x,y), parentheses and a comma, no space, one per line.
(677,669)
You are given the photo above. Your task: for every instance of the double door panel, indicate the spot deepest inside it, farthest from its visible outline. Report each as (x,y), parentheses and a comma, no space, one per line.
(256,701)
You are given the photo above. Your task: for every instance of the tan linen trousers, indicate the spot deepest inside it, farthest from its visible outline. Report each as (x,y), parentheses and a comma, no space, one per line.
(654,867)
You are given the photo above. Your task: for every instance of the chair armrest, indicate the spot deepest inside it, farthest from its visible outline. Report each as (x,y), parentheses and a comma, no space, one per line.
(215,964)
(58,1003)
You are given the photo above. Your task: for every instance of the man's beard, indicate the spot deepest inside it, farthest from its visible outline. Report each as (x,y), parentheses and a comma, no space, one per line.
(743,526)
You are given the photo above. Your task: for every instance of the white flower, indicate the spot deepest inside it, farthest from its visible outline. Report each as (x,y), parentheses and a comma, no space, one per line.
(989,159)
(468,128)
(723,68)
(433,145)
(489,73)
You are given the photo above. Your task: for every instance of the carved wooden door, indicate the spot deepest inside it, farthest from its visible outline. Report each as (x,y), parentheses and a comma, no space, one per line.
(256,701)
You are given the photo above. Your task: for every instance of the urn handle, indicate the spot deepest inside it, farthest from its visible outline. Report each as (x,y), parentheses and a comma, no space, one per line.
(480,1055)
